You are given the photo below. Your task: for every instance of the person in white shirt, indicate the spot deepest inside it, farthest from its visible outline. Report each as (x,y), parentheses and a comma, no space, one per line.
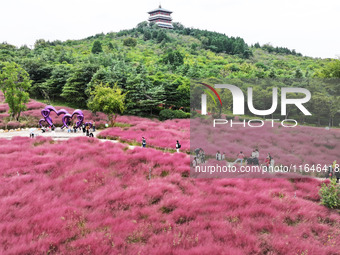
(253,154)
(223,156)
(272,163)
(218,155)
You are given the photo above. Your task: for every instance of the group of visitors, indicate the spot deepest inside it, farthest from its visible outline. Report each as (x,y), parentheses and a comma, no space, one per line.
(199,157)
(253,159)
(177,146)
(85,128)
(45,129)
(220,156)
(72,128)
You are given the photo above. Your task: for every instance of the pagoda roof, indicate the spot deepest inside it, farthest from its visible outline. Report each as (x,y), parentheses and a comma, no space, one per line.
(160,17)
(160,9)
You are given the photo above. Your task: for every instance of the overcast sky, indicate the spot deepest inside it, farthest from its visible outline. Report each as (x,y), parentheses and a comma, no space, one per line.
(309,26)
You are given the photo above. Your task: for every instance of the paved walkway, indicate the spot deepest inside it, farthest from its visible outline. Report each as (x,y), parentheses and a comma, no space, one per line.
(57,135)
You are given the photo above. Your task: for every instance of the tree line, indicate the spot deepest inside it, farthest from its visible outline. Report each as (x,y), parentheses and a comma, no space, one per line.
(155,67)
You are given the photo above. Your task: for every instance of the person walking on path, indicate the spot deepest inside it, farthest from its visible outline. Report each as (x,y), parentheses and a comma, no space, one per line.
(178,146)
(84,128)
(87,130)
(94,126)
(143,142)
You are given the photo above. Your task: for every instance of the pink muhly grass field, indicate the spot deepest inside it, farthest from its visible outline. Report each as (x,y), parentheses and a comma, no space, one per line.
(157,133)
(84,196)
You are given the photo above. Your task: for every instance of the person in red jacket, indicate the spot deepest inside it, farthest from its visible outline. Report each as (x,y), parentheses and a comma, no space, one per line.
(240,157)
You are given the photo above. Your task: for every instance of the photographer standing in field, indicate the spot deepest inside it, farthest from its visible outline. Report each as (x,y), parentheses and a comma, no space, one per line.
(143,142)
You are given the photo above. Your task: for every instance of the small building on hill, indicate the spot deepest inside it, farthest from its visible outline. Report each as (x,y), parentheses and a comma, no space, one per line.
(161,17)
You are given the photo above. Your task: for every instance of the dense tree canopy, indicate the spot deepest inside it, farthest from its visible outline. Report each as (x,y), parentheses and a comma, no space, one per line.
(110,101)
(15,82)
(155,67)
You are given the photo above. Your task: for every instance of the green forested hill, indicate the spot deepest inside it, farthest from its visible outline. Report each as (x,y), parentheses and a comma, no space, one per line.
(157,66)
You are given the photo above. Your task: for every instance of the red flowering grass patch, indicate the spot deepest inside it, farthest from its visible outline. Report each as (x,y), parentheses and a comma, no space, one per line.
(83,196)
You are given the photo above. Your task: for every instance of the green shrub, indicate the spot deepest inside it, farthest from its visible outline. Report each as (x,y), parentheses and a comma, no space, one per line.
(193,114)
(131,42)
(173,114)
(216,115)
(330,195)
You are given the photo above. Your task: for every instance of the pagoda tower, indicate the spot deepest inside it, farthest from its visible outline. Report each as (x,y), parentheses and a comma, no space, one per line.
(161,17)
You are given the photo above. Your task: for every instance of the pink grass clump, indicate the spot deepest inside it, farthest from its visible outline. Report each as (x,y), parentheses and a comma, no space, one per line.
(32,104)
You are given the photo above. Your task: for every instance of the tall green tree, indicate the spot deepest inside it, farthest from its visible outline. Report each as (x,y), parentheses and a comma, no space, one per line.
(54,85)
(74,90)
(15,83)
(137,86)
(154,96)
(110,101)
(97,47)
(39,71)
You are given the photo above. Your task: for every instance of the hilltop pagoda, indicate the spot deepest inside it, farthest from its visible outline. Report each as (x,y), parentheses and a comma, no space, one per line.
(161,17)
